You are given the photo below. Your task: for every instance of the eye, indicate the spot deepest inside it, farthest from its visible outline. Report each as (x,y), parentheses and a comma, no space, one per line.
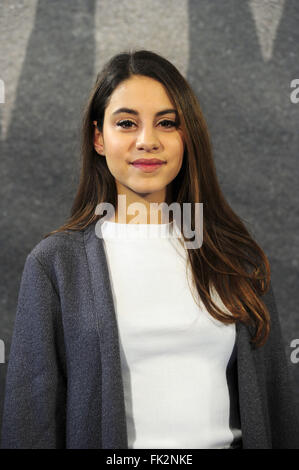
(121,124)
(170,123)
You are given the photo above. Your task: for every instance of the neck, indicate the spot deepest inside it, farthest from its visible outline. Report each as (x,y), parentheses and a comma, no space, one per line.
(146,213)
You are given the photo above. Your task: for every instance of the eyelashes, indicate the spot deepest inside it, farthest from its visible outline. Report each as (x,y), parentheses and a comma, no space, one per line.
(170,123)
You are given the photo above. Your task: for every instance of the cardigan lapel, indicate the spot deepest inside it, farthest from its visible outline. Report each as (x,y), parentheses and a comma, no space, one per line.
(114,430)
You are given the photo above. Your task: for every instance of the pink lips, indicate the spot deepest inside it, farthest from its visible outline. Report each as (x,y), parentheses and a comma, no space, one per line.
(147,168)
(148,165)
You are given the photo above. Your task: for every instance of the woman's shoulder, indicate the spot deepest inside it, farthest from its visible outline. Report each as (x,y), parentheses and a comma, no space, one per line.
(58,246)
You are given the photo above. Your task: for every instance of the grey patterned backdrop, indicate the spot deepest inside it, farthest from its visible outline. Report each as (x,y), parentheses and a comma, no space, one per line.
(240,57)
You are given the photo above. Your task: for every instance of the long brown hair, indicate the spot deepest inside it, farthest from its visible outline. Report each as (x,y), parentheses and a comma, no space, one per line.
(229,259)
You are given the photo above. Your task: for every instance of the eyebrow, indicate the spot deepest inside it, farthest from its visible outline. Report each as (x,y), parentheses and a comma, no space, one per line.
(133,111)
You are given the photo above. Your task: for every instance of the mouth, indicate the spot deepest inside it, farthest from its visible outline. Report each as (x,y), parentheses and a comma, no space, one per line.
(148,166)
(148,161)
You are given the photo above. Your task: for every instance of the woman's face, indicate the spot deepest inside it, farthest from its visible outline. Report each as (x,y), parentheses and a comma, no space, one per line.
(140,133)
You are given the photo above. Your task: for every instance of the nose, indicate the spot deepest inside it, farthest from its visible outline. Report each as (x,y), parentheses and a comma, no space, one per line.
(147,140)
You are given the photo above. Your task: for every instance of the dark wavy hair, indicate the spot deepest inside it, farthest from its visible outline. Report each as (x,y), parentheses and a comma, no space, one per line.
(229,259)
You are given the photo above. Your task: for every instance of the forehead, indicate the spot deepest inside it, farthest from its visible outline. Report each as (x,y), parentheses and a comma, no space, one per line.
(138,92)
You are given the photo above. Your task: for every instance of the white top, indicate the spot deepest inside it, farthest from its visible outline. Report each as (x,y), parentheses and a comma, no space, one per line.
(174,354)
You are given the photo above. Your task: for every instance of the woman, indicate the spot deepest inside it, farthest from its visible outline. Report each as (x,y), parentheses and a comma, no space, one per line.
(125,335)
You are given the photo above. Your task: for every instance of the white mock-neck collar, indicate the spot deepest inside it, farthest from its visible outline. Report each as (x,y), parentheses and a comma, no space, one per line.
(139,231)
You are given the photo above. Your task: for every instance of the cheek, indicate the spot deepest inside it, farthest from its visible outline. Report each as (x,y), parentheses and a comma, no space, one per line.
(116,157)
(177,142)
(116,146)
(177,150)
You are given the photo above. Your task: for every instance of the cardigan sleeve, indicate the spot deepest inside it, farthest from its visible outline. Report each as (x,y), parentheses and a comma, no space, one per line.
(282,409)
(35,389)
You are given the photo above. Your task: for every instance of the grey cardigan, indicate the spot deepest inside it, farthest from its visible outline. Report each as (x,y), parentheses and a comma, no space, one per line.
(64,384)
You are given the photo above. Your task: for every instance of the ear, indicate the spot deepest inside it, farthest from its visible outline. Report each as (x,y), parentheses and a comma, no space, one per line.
(98,140)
